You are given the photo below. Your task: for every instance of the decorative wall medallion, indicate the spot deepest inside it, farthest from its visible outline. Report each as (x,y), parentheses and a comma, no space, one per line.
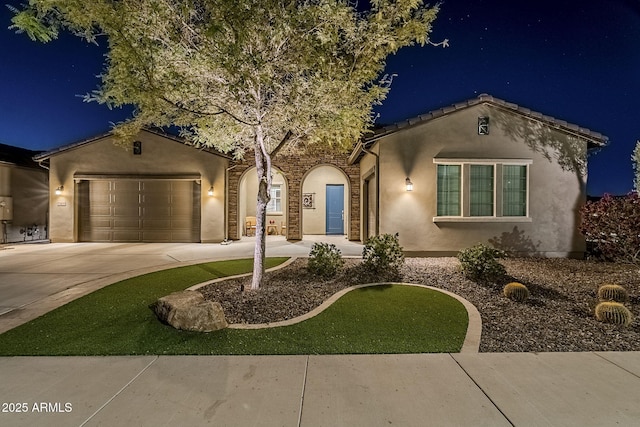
(308,201)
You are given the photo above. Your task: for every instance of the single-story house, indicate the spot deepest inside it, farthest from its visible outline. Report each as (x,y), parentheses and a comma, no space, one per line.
(480,171)
(24,196)
(484,170)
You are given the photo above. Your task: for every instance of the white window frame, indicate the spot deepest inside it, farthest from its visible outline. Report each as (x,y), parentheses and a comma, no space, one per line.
(276,198)
(465,195)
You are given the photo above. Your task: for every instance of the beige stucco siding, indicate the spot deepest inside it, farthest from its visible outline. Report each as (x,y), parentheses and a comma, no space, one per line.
(554,195)
(160,156)
(315,182)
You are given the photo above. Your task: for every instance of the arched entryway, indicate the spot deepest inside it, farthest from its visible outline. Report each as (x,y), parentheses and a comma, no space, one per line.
(276,210)
(325,201)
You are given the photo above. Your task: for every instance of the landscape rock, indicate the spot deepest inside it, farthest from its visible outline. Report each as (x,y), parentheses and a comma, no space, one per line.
(189,311)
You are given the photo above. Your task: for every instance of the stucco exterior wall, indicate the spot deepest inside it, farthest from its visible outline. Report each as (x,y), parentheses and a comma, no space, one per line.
(314,221)
(555,196)
(160,156)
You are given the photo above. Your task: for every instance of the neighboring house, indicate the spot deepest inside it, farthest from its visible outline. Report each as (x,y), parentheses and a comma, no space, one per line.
(23,196)
(482,171)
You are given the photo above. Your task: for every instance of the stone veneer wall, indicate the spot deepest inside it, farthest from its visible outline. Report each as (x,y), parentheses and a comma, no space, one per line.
(294,169)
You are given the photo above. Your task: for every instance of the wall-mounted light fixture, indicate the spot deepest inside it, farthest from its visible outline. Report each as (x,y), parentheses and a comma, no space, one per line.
(210,192)
(59,190)
(409,184)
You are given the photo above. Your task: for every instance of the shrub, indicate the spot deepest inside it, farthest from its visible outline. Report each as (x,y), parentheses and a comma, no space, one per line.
(480,263)
(516,291)
(325,259)
(383,254)
(614,293)
(612,226)
(613,312)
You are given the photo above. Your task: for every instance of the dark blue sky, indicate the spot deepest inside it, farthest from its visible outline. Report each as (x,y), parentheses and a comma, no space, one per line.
(575,60)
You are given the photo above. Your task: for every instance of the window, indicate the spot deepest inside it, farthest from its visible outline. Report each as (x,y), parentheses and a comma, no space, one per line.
(514,190)
(469,190)
(275,204)
(449,179)
(481,190)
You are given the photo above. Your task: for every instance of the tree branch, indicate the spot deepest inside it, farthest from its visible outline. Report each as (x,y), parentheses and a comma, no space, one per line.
(282,143)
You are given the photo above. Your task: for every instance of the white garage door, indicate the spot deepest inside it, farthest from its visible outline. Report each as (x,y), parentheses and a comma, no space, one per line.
(139,211)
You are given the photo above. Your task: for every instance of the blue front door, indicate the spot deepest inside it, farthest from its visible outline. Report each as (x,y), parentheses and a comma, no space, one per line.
(335,209)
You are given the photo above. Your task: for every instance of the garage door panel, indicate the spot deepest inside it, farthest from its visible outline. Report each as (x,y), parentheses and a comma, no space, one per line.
(157,224)
(126,236)
(156,212)
(124,186)
(181,224)
(126,211)
(125,198)
(99,236)
(139,211)
(132,223)
(101,222)
(96,211)
(178,236)
(101,198)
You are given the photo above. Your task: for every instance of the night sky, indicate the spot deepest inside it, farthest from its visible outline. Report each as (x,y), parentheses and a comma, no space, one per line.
(575,60)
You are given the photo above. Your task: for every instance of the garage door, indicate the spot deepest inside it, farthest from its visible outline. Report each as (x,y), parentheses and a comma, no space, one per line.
(139,211)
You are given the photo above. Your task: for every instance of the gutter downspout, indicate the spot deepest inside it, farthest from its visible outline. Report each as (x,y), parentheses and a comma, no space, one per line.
(377,225)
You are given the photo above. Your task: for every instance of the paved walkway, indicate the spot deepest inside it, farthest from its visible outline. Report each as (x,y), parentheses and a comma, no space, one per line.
(466,389)
(521,389)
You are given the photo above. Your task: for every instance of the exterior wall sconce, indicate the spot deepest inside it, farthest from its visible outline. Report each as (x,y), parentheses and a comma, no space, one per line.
(409,184)
(59,190)
(210,192)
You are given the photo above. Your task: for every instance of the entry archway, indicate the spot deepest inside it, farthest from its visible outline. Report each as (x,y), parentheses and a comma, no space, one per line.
(325,201)
(277,208)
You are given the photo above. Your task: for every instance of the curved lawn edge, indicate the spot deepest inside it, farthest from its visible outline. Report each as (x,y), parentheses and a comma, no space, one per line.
(471,342)
(237,276)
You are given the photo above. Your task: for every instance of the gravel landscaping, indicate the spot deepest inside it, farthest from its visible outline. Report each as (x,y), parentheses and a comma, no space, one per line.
(557,317)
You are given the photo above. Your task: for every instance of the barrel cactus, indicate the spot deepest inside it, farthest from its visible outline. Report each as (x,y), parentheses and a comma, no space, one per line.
(516,291)
(614,293)
(613,312)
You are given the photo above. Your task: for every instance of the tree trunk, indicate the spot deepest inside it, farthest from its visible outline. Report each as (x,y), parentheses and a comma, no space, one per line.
(263,169)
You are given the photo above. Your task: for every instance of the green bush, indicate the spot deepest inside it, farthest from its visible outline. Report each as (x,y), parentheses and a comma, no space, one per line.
(383,254)
(325,260)
(480,263)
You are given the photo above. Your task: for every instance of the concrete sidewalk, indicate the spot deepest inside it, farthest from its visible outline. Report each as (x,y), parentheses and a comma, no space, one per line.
(509,389)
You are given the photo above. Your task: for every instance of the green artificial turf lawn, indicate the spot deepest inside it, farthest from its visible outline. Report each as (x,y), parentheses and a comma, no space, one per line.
(116,320)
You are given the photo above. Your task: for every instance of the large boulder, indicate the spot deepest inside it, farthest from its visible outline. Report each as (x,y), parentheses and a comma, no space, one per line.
(188,310)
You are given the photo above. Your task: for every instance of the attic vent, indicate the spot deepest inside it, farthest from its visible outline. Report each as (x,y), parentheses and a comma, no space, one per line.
(483,125)
(137,148)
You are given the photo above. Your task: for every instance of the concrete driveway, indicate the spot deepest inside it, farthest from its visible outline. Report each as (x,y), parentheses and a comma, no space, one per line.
(35,278)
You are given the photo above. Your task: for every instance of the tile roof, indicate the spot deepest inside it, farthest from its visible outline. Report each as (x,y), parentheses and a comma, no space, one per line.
(594,139)
(17,156)
(46,155)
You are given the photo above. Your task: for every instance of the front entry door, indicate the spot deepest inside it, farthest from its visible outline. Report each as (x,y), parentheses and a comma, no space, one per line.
(335,209)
